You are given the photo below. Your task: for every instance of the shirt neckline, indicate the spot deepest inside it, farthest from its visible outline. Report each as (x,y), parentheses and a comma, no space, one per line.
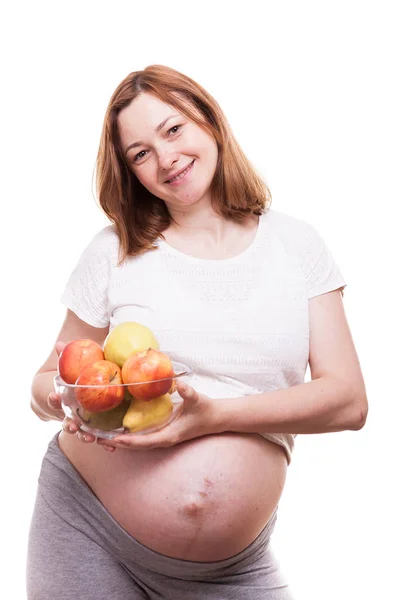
(216,261)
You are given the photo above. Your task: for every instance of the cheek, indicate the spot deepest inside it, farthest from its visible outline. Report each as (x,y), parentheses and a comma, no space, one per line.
(210,151)
(210,158)
(144,176)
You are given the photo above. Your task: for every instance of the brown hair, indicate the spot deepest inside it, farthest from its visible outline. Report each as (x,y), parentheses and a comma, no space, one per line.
(140,217)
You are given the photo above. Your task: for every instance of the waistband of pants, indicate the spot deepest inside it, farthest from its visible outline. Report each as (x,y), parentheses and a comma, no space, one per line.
(69,496)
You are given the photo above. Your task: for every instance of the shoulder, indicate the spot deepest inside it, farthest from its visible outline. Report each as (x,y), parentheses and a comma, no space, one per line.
(286,224)
(103,245)
(299,240)
(293,233)
(106,237)
(99,255)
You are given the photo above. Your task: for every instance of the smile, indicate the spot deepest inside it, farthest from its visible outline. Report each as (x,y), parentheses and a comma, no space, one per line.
(181,175)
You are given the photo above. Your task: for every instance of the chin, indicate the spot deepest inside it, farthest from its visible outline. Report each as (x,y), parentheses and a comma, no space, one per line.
(185,203)
(200,196)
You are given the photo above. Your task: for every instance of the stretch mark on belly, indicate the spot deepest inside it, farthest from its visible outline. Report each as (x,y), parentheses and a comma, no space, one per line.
(209,485)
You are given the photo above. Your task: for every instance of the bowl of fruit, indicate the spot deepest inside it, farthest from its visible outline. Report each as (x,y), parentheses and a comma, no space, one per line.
(127,386)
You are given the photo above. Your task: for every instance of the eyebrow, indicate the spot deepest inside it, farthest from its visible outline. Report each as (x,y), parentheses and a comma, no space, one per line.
(158,128)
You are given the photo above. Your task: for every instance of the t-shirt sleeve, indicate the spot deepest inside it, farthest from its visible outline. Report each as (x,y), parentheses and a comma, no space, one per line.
(321,272)
(86,291)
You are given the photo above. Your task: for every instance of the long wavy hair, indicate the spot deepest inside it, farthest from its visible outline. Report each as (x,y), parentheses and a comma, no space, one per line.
(138,216)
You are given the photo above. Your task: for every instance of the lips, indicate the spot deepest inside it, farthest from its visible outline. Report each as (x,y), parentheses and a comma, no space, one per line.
(179,172)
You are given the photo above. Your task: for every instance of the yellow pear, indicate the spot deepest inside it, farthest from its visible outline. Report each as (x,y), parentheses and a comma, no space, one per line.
(126,338)
(144,415)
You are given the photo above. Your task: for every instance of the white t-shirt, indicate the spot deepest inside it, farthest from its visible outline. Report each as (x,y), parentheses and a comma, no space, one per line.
(241,323)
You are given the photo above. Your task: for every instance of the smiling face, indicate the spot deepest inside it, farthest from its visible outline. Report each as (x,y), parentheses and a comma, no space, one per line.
(158,142)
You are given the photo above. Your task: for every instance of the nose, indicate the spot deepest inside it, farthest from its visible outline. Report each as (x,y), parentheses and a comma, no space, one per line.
(167,158)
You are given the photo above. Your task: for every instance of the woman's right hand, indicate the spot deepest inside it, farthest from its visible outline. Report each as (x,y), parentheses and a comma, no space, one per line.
(68,425)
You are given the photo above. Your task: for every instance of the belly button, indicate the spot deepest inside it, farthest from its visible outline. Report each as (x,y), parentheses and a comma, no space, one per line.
(193,506)
(191,510)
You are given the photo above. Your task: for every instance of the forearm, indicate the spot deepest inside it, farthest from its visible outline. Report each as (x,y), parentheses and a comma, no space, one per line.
(42,385)
(319,406)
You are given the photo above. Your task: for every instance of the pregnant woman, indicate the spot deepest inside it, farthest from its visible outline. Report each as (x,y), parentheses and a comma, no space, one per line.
(247,297)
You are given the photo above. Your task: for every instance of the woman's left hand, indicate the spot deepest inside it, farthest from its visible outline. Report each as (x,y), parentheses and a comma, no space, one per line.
(197,419)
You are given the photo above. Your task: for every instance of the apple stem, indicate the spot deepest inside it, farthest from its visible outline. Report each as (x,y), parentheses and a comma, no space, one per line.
(114,376)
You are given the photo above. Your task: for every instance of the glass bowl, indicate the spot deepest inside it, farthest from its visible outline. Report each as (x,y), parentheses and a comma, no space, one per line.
(140,416)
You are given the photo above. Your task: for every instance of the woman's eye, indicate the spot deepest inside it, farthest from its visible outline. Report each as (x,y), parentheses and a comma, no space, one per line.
(177,127)
(138,157)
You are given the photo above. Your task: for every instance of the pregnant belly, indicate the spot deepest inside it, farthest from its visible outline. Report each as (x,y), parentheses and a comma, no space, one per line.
(202,500)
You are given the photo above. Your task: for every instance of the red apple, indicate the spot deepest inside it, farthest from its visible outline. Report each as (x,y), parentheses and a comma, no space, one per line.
(148,366)
(75,356)
(110,394)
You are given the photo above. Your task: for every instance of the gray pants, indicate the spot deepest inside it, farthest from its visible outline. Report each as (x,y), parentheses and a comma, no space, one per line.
(77,550)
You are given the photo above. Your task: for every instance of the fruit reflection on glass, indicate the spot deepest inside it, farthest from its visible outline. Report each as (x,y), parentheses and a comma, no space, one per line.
(102,386)
(150,368)
(130,386)
(105,421)
(75,356)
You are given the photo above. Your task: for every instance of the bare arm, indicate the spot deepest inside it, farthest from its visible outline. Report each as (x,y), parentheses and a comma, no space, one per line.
(73,328)
(334,400)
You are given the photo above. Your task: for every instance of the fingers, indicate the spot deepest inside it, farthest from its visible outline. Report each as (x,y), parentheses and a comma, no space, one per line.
(69,426)
(105,444)
(54,401)
(85,437)
(187,392)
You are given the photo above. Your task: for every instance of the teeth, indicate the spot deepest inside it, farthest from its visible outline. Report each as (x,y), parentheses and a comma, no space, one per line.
(181,175)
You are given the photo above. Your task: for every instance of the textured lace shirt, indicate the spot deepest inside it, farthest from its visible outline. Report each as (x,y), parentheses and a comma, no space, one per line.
(241,323)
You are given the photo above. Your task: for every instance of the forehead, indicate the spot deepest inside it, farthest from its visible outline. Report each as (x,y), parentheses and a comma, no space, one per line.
(143,114)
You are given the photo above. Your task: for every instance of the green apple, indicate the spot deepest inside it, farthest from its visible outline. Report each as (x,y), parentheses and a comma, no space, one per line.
(107,420)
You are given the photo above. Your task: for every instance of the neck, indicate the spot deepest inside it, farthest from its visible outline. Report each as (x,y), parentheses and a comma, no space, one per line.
(198,218)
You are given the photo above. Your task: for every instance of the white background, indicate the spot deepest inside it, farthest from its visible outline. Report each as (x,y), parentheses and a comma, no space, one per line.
(311,91)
